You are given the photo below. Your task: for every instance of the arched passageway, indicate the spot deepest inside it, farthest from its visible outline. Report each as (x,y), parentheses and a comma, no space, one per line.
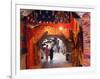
(61,51)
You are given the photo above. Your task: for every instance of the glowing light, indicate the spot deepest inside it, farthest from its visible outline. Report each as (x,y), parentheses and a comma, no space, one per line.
(61,28)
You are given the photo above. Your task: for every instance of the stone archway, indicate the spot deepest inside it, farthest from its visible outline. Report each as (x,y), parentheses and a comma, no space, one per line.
(33,41)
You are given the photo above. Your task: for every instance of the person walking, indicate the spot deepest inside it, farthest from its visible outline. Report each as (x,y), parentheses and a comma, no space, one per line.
(46,53)
(51,53)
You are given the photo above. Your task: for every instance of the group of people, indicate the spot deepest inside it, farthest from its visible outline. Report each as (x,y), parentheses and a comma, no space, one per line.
(47,53)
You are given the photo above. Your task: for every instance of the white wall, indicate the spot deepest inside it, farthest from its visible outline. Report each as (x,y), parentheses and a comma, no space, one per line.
(5,34)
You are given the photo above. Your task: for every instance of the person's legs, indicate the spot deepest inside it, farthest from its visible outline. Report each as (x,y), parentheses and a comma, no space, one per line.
(46,58)
(51,56)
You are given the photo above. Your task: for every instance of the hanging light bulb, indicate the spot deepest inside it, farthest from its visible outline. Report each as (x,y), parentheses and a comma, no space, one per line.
(61,28)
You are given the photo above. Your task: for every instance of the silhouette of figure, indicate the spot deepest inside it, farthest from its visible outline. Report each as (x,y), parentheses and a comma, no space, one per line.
(51,53)
(46,53)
